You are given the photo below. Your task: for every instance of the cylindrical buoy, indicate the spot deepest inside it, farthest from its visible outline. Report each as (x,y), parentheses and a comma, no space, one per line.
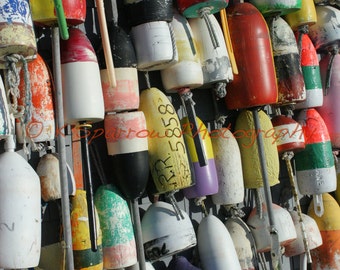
(160,243)
(215,246)
(206,176)
(84,257)
(41,128)
(228,166)
(259,227)
(194,8)
(119,246)
(252,48)
(306,15)
(329,111)
(82,95)
(291,86)
(44,14)
(277,7)
(168,157)
(5,119)
(16,30)
(326,256)
(246,135)
(20,211)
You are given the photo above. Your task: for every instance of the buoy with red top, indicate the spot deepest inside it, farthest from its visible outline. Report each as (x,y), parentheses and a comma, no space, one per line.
(119,246)
(278,7)
(252,48)
(16,29)
(291,86)
(215,246)
(326,256)
(329,110)
(20,211)
(41,127)
(315,170)
(311,75)
(84,256)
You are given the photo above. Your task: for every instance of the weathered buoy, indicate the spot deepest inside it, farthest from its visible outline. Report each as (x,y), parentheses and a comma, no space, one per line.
(252,48)
(82,95)
(306,15)
(215,246)
(228,166)
(278,7)
(119,246)
(160,243)
(20,211)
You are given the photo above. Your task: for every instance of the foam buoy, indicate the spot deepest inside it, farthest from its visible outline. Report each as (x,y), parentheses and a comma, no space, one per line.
(329,110)
(160,243)
(215,246)
(20,211)
(281,7)
(246,135)
(291,86)
(228,166)
(18,36)
(168,158)
(326,256)
(206,182)
(306,15)
(82,95)
(252,45)
(5,120)
(119,246)
(84,257)
(315,169)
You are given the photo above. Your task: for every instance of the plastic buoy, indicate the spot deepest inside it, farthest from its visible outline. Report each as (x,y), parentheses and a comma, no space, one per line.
(277,7)
(246,135)
(215,246)
(228,166)
(252,48)
(20,211)
(82,95)
(119,246)
(304,16)
(160,243)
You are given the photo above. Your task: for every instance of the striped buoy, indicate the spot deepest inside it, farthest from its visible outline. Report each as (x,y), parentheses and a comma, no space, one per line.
(194,8)
(246,135)
(329,109)
(20,211)
(119,246)
(291,86)
(326,256)
(228,166)
(5,119)
(168,158)
(160,243)
(82,95)
(83,256)
(306,15)
(41,127)
(206,176)
(315,169)
(277,7)
(215,246)
(252,48)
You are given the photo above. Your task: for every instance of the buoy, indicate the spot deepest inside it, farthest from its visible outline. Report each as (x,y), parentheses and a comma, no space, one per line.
(195,8)
(329,109)
(311,75)
(180,263)
(160,243)
(313,235)
(228,166)
(84,257)
(20,211)
(18,36)
(258,224)
(326,256)
(291,86)
(278,7)
(41,127)
(215,246)
(125,96)
(119,246)
(246,135)
(5,118)
(206,182)
(82,95)
(252,48)
(315,170)
(306,15)
(168,157)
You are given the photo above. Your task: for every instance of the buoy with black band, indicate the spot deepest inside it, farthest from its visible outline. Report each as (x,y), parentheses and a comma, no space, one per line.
(278,7)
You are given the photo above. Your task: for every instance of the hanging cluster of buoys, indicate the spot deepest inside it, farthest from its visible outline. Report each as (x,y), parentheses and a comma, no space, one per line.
(157,181)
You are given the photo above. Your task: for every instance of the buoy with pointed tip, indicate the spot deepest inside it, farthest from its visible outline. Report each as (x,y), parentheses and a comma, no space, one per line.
(277,7)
